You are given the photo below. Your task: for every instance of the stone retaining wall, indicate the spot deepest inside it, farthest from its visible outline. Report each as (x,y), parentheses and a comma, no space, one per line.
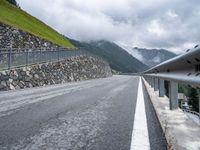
(11,37)
(71,69)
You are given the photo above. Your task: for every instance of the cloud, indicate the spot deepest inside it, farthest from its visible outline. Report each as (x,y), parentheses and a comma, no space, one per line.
(169,24)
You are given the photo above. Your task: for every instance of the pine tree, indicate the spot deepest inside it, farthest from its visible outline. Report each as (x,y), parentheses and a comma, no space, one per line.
(13,2)
(194,99)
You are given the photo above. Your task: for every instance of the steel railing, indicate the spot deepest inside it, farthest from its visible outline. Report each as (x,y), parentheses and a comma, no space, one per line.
(184,69)
(193,112)
(13,58)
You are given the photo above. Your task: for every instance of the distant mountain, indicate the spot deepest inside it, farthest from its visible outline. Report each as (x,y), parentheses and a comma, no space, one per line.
(151,57)
(119,59)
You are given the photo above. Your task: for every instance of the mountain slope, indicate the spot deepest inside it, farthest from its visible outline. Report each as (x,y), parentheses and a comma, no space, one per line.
(152,57)
(11,15)
(117,57)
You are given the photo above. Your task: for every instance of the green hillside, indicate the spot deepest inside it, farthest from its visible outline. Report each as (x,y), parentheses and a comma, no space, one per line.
(11,15)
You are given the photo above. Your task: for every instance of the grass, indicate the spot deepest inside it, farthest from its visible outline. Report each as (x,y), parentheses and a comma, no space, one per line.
(18,18)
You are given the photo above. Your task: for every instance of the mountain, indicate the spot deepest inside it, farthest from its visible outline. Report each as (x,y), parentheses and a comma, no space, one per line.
(119,59)
(14,16)
(151,57)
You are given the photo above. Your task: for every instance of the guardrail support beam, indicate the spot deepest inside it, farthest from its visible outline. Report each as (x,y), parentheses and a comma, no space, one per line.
(155,84)
(161,88)
(198,90)
(152,82)
(199,101)
(173,95)
(9,56)
(147,78)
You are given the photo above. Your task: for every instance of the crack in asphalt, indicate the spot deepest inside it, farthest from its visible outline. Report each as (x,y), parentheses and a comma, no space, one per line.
(72,130)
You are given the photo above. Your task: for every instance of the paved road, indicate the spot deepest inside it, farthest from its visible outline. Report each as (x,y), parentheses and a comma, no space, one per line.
(93,115)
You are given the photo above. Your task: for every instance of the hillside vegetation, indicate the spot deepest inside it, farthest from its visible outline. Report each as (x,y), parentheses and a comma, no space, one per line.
(119,59)
(11,15)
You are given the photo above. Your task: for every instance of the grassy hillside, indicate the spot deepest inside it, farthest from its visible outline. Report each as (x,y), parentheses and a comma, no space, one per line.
(11,15)
(118,58)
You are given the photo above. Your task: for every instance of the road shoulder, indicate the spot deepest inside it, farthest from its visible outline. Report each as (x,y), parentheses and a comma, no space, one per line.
(180,131)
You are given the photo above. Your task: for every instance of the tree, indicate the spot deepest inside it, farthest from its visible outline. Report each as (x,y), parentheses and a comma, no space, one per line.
(13,2)
(194,99)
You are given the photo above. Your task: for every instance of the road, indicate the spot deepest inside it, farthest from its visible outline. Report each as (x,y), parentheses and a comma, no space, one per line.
(93,115)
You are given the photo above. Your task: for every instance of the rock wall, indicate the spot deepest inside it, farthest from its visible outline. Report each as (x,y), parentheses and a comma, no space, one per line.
(71,69)
(16,38)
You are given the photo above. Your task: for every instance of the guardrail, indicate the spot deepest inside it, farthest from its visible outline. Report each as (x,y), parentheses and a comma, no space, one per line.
(13,58)
(193,112)
(184,69)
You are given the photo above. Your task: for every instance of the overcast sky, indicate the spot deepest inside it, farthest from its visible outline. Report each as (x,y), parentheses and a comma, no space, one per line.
(169,24)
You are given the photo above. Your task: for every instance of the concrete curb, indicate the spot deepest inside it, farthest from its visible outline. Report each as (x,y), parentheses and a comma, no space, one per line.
(180,131)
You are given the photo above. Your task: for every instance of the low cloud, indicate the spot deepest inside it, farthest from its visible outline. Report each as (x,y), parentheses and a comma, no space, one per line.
(169,24)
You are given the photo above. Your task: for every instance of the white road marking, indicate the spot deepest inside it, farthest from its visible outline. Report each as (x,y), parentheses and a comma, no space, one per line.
(140,135)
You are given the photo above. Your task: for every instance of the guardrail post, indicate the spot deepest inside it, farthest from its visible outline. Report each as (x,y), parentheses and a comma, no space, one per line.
(155,84)
(173,95)
(27,57)
(152,82)
(9,58)
(40,56)
(198,90)
(161,88)
(58,54)
(199,101)
(147,79)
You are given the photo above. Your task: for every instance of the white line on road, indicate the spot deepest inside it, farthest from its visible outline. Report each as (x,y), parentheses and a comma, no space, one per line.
(140,135)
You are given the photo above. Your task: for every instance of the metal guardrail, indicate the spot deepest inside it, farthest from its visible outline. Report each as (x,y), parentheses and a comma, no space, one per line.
(184,68)
(13,58)
(193,112)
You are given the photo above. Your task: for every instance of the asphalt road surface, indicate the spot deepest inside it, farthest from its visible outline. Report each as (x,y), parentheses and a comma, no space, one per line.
(87,115)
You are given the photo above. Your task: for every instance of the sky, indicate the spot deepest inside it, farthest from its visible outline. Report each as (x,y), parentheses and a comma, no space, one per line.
(168,24)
